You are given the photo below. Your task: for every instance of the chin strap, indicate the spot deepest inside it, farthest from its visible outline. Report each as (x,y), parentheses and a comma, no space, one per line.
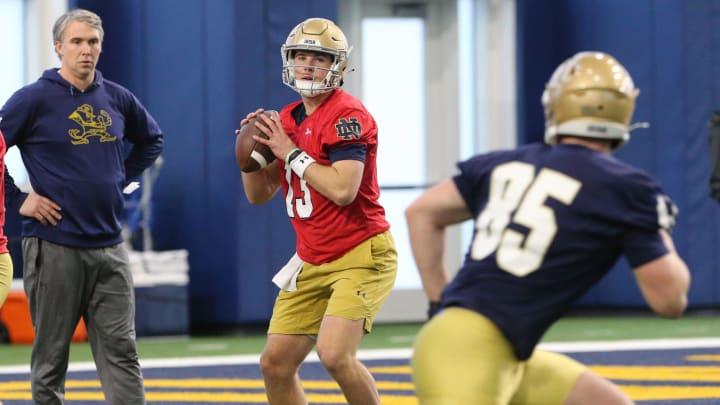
(309,88)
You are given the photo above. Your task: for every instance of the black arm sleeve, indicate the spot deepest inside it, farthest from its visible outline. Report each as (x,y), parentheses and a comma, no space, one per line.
(13,196)
(715,156)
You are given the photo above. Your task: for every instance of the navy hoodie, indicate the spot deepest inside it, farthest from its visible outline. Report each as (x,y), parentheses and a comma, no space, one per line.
(80,149)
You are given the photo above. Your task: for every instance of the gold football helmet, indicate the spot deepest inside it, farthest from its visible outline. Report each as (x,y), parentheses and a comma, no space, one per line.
(589,95)
(318,35)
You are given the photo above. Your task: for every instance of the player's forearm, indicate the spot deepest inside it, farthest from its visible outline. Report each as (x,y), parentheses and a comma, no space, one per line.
(260,186)
(428,247)
(664,283)
(434,281)
(679,287)
(339,183)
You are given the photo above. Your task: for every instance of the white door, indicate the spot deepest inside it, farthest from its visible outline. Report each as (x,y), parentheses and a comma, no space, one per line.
(416,70)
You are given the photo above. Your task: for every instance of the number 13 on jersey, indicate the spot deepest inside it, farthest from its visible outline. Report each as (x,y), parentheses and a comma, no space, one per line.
(303,203)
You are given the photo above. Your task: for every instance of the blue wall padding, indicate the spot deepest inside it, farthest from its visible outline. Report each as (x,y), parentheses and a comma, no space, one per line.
(671,49)
(200,67)
(701,42)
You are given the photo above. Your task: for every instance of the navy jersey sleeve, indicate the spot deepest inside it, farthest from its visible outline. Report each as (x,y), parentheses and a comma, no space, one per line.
(650,209)
(641,247)
(472,181)
(355,151)
(648,206)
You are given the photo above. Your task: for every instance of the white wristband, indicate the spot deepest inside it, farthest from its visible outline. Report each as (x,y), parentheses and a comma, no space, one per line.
(300,163)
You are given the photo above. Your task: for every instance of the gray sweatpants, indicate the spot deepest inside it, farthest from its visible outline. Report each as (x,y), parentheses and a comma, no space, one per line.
(62,284)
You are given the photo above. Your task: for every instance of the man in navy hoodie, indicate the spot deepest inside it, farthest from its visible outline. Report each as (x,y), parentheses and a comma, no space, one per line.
(73,129)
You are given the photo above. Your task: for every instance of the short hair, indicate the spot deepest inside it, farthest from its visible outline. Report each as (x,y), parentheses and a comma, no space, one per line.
(78,14)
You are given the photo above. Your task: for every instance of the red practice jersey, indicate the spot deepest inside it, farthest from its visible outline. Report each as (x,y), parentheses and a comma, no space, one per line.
(3,238)
(326,231)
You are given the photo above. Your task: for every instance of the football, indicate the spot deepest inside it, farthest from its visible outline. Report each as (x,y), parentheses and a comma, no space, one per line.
(250,154)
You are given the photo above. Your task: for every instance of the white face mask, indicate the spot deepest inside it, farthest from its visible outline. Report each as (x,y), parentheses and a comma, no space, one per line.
(332,78)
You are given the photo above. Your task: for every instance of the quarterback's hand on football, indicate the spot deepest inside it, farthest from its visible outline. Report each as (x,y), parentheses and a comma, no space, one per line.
(277,139)
(250,116)
(41,208)
(433,308)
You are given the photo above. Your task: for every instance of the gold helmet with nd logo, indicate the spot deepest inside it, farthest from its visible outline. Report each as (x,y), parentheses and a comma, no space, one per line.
(590,95)
(315,35)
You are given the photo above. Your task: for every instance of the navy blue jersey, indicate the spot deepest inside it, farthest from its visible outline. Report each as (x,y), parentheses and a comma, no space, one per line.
(550,221)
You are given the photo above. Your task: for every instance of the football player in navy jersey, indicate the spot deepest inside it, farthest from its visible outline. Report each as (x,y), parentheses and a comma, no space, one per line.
(550,221)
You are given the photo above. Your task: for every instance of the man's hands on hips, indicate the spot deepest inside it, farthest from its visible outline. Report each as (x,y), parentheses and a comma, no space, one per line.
(41,208)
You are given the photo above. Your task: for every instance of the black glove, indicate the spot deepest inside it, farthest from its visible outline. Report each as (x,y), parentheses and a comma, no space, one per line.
(433,309)
(715,156)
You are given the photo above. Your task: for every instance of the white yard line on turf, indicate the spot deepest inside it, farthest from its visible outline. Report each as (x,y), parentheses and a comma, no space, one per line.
(637,344)
(378,354)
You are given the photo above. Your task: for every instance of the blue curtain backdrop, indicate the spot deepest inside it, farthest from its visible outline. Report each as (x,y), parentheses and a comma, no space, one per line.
(200,66)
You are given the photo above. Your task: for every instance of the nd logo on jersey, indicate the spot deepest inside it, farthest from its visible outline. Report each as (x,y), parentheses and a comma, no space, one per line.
(92,125)
(348,130)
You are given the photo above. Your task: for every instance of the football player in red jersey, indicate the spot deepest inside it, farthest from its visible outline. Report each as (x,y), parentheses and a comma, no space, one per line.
(6,265)
(550,221)
(345,262)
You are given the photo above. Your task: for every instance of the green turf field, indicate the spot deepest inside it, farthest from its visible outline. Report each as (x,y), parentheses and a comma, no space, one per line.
(575,328)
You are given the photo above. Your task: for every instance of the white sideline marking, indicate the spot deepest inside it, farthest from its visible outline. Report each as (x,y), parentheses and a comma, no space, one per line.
(378,354)
(638,344)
